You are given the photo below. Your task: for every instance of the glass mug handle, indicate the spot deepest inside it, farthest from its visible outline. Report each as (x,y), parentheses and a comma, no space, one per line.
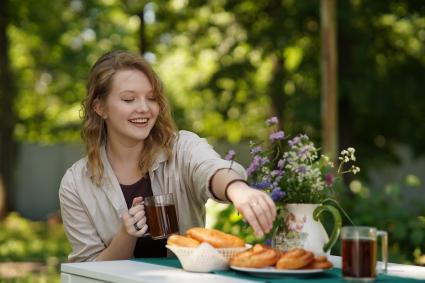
(384,250)
(337,224)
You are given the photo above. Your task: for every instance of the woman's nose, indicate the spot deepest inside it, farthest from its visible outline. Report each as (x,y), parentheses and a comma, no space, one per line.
(142,105)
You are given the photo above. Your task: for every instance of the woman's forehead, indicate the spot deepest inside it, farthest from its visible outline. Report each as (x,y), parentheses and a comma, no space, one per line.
(131,81)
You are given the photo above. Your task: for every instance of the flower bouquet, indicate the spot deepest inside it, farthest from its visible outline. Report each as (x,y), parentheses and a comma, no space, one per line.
(292,171)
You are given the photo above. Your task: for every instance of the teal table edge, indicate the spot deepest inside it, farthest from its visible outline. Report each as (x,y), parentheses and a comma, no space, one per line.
(333,275)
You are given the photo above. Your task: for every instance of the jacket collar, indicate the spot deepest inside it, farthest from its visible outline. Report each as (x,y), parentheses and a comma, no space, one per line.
(110,184)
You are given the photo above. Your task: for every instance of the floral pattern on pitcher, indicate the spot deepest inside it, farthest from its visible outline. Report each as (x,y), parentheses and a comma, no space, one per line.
(295,236)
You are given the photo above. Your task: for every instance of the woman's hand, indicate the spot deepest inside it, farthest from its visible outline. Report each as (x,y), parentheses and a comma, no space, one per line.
(134,220)
(256,206)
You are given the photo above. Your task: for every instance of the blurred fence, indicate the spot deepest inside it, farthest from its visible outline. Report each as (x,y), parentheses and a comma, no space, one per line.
(38,174)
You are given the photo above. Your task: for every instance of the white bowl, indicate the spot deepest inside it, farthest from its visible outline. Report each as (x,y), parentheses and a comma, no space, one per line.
(205,258)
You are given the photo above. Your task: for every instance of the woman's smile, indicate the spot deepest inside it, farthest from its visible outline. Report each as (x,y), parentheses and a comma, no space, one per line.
(139,122)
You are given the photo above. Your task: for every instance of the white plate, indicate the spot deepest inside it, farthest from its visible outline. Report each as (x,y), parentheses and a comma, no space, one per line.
(273,272)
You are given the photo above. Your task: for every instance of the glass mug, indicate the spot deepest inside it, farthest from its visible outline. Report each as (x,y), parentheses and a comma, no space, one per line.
(359,252)
(161,216)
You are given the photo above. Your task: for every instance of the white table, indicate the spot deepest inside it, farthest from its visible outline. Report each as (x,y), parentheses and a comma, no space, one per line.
(127,271)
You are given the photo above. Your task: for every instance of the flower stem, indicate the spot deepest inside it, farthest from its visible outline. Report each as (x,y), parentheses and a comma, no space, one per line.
(230,167)
(340,208)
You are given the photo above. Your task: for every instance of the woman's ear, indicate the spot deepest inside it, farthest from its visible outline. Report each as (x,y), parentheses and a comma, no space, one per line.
(98,107)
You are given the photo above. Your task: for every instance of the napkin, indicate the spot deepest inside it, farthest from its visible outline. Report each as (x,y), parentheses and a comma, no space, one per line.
(204,258)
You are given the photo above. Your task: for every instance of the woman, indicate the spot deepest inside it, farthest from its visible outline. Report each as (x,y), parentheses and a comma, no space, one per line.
(133,151)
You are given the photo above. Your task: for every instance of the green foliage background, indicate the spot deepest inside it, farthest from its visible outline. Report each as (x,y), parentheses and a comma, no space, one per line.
(227,66)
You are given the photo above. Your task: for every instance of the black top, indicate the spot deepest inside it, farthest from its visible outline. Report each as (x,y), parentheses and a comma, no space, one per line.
(145,246)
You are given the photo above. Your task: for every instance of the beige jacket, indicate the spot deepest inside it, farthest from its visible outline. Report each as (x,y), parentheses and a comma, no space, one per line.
(91,214)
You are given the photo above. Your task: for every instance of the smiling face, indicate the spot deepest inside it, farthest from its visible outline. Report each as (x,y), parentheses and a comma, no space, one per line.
(130,109)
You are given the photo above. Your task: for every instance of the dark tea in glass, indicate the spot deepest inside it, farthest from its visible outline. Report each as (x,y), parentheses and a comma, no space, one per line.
(359,252)
(359,258)
(161,216)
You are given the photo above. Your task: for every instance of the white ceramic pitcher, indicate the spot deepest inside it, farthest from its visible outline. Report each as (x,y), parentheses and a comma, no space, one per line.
(300,227)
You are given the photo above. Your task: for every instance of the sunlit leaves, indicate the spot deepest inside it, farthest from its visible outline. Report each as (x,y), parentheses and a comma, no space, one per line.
(51,55)
(23,239)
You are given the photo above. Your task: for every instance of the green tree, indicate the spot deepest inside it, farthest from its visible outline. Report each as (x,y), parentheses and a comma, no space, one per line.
(48,53)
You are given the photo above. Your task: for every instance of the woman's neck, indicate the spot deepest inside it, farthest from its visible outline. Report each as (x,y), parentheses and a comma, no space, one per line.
(124,160)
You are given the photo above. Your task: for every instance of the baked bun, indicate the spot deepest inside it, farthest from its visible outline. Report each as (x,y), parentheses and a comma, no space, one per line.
(295,259)
(182,241)
(215,238)
(258,256)
(319,262)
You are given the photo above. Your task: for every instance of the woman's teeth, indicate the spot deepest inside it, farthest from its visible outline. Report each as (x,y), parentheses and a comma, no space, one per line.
(139,120)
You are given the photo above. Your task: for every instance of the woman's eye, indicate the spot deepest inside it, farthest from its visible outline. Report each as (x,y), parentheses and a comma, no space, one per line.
(128,99)
(152,98)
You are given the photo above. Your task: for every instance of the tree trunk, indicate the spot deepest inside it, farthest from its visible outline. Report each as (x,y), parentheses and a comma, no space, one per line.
(8,92)
(329,78)
(142,36)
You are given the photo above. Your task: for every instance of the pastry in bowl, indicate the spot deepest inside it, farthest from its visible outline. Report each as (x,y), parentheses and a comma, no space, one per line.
(205,250)
(215,238)
(182,241)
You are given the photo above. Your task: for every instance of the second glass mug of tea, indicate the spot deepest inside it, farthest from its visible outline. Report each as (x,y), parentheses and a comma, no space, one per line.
(161,216)
(359,253)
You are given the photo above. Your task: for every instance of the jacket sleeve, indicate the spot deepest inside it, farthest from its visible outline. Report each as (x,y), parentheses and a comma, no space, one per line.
(200,162)
(85,241)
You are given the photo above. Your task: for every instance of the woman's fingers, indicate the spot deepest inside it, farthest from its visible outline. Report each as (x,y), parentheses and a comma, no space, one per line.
(251,218)
(128,222)
(137,200)
(271,207)
(261,210)
(135,219)
(257,208)
(141,227)
(140,214)
(136,209)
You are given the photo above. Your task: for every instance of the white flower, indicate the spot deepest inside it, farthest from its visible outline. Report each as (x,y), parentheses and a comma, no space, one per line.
(355,169)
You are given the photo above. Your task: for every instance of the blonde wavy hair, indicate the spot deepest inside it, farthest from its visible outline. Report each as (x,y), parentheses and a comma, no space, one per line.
(94,131)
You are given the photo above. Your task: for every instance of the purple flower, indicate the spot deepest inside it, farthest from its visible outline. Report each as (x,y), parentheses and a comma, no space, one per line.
(294,141)
(275,173)
(280,135)
(272,121)
(280,164)
(277,194)
(256,163)
(252,168)
(301,169)
(329,179)
(230,155)
(262,185)
(304,150)
(256,149)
